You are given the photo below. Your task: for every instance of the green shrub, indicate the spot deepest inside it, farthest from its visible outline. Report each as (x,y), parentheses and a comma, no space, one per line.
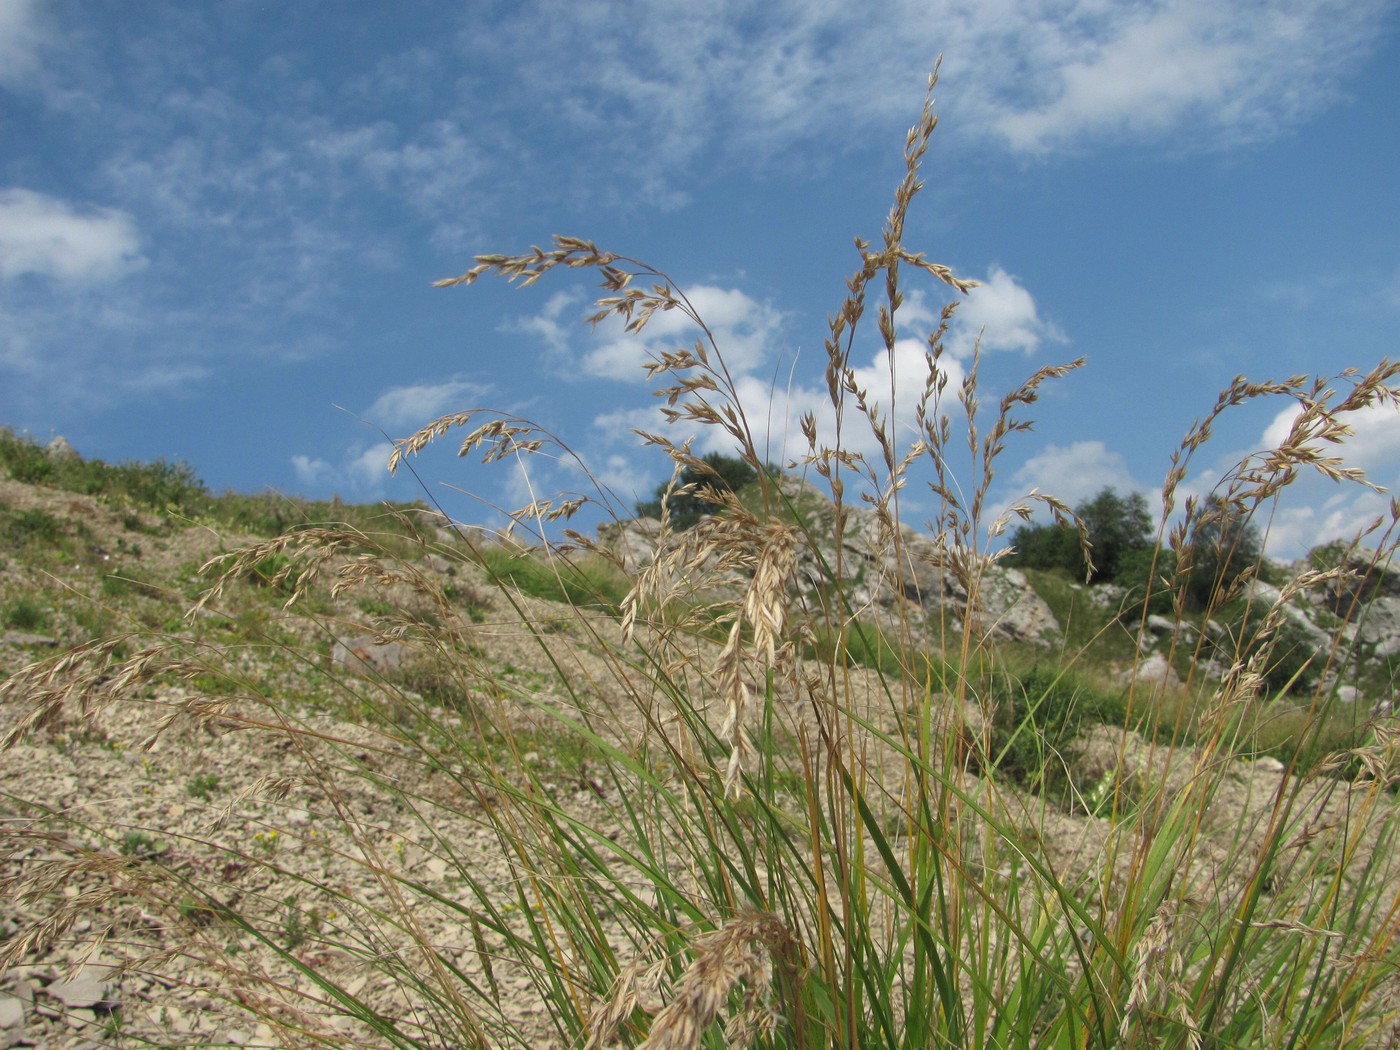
(1117,527)
(202,786)
(693,495)
(1035,720)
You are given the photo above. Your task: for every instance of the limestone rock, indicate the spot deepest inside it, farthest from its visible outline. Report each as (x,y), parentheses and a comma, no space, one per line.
(60,450)
(369,655)
(23,638)
(888,574)
(88,989)
(1153,670)
(11,1012)
(1371,600)
(633,542)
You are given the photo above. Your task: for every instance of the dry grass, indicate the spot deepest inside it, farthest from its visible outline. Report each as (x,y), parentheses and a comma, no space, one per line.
(767,847)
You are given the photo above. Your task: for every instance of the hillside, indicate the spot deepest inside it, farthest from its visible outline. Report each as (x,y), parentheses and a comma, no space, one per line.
(285,773)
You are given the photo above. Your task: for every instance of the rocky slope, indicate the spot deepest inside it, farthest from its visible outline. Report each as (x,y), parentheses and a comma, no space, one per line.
(87,807)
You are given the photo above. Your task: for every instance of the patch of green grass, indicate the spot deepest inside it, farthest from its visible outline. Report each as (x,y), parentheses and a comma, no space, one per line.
(585,582)
(158,485)
(1090,628)
(1035,719)
(142,845)
(31,527)
(123,584)
(202,786)
(24,613)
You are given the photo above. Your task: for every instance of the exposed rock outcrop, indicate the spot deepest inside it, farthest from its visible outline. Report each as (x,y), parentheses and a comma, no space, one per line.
(1369,597)
(59,449)
(886,571)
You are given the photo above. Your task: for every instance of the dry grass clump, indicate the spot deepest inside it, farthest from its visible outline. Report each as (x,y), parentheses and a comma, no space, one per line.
(694,825)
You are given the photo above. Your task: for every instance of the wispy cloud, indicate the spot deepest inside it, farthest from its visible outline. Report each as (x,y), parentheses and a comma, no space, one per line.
(749,82)
(20,38)
(361,467)
(403,409)
(1192,72)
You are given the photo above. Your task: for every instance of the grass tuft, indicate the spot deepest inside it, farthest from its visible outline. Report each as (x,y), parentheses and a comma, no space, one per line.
(712,799)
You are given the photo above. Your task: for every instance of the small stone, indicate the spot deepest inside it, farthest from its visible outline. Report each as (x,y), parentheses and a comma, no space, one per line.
(11,1012)
(84,991)
(24,638)
(367,656)
(80,1018)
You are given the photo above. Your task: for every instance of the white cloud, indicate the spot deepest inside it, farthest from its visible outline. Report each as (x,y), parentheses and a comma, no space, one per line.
(1294,530)
(359,472)
(1374,443)
(1313,509)
(774,410)
(406,408)
(312,472)
(369,470)
(1004,313)
(547,326)
(54,238)
(774,404)
(745,330)
(1076,472)
(1211,73)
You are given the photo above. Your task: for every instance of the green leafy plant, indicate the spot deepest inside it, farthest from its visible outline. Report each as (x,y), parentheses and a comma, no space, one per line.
(1115,527)
(141,845)
(202,786)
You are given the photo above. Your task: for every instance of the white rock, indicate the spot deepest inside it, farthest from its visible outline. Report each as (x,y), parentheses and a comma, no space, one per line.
(11,1012)
(85,990)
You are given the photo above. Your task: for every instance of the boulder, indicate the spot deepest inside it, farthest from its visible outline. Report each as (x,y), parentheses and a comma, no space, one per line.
(1152,671)
(1370,599)
(633,543)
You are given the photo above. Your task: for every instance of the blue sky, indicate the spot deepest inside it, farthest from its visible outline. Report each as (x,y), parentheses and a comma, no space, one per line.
(220,222)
